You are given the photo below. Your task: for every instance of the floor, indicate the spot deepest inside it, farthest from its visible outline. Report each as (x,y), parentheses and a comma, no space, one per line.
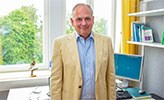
(3,95)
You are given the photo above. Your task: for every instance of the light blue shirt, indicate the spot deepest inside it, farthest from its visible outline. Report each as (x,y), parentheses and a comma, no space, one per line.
(86,51)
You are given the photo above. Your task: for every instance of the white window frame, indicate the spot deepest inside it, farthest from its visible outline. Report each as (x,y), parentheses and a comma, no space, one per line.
(57,15)
(118,23)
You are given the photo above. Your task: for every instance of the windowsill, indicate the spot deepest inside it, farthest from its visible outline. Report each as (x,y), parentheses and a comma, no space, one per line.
(17,76)
(22,79)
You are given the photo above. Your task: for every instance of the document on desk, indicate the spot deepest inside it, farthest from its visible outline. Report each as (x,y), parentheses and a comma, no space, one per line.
(29,93)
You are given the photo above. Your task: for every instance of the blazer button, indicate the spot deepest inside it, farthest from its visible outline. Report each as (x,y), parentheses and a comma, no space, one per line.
(80,86)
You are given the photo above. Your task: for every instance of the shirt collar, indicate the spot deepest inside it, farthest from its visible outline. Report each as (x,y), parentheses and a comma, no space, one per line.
(90,36)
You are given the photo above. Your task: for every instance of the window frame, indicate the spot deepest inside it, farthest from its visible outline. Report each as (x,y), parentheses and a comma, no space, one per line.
(113,22)
(46,35)
(55,19)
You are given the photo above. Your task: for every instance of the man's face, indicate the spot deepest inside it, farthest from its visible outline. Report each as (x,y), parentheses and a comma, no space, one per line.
(82,20)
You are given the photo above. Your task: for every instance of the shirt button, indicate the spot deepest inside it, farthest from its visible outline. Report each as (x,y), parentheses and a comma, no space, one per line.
(80,86)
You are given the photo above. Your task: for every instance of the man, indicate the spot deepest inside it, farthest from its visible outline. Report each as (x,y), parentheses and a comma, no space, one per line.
(83,65)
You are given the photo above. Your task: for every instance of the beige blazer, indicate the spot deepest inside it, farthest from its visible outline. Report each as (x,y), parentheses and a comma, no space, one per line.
(66,76)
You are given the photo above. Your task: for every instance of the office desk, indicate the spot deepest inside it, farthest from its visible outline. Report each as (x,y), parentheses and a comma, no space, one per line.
(156,97)
(29,93)
(40,93)
(153,97)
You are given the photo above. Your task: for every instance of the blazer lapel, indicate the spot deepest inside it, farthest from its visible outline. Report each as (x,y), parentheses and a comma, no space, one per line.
(98,49)
(72,45)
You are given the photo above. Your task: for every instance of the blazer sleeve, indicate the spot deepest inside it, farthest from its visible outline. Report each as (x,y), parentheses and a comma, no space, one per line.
(111,85)
(56,73)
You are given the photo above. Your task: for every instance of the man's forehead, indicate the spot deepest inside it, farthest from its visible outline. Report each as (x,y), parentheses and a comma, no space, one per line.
(83,17)
(82,14)
(82,9)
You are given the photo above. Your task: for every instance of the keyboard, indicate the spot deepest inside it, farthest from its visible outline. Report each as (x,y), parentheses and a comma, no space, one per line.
(123,95)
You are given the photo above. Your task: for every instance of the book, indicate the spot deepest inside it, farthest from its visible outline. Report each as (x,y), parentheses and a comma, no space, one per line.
(147,35)
(162,42)
(134,92)
(135,31)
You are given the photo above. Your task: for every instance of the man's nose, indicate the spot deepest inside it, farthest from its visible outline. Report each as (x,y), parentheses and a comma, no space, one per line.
(84,22)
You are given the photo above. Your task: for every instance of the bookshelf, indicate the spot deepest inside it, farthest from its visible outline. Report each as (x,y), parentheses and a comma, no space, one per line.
(143,15)
(148,13)
(157,12)
(158,45)
(152,14)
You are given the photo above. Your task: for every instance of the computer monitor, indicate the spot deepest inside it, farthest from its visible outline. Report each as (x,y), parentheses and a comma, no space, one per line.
(128,66)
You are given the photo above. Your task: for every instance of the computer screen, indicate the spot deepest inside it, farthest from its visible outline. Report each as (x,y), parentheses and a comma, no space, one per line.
(128,66)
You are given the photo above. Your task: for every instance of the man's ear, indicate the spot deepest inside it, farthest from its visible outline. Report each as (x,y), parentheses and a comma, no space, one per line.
(71,20)
(93,19)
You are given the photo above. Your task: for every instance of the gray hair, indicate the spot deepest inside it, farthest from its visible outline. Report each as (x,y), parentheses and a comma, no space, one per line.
(82,4)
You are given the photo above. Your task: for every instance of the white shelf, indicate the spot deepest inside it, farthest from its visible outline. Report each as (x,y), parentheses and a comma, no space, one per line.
(148,13)
(158,45)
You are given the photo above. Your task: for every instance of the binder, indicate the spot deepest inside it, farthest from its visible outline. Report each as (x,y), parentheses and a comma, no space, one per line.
(136,31)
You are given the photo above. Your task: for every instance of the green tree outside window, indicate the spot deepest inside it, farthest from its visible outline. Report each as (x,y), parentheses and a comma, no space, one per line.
(21,37)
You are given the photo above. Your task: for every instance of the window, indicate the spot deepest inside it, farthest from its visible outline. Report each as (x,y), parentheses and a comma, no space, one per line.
(105,18)
(50,19)
(102,11)
(22,34)
(69,6)
(60,11)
